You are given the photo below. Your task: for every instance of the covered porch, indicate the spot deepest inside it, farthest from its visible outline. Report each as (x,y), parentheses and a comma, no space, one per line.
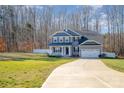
(61,50)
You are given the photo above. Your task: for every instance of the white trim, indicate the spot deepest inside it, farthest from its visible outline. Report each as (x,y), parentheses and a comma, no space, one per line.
(90,40)
(67,33)
(59,32)
(61,40)
(63,52)
(75,32)
(55,40)
(68,36)
(66,40)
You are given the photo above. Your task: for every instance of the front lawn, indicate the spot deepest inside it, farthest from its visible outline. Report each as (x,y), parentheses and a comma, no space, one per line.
(116,64)
(26,69)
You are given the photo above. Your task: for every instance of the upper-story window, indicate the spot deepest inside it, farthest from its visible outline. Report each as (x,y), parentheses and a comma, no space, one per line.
(76,49)
(75,38)
(54,39)
(70,39)
(60,39)
(66,39)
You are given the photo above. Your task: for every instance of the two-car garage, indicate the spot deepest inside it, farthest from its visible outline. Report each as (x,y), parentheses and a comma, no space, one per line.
(90,49)
(90,53)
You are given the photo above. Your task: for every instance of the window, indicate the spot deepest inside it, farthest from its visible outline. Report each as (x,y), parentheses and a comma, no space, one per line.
(60,49)
(70,38)
(60,39)
(76,49)
(77,38)
(54,39)
(73,38)
(53,49)
(57,49)
(66,39)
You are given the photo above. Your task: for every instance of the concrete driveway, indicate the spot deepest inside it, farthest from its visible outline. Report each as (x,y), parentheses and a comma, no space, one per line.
(84,73)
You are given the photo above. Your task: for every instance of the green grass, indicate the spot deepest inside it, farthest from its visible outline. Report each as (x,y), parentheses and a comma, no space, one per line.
(116,64)
(14,56)
(26,70)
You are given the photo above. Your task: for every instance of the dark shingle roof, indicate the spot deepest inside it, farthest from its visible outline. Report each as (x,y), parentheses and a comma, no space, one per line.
(89,33)
(82,39)
(61,34)
(73,33)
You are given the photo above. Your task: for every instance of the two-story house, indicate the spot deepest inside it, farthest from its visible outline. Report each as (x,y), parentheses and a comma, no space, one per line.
(76,43)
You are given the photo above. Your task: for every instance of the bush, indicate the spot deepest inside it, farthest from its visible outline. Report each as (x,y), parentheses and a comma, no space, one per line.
(54,56)
(102,55)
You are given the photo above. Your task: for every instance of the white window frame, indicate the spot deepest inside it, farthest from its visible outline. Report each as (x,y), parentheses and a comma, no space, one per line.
(55,39)
(66,38)
(76,48)
(61,38)
(71,39)
(76,38)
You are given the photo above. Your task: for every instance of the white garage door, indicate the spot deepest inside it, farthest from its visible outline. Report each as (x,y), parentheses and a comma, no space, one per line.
(90,53)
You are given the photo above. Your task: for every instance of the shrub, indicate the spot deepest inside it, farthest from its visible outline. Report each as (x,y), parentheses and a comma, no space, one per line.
(54,56)
(103,55)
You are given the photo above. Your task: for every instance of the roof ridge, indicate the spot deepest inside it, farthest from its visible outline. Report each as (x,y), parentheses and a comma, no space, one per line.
(72,31)
(60,32)
(75,32)
(66,32)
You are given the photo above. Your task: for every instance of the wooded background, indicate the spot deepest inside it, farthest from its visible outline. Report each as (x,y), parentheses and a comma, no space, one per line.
(24,28)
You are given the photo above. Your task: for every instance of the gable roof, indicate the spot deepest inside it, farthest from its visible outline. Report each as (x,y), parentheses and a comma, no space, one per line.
(92,35)
(61,33)
(71,32)
(88,32)
(83,39)
(90,42)
(66,32)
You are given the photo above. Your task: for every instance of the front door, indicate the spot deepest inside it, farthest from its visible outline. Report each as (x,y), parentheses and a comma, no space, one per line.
(67,51)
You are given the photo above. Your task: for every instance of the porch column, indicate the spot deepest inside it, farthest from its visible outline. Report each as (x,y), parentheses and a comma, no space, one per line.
(51,51)
(62,51)
(69,50)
